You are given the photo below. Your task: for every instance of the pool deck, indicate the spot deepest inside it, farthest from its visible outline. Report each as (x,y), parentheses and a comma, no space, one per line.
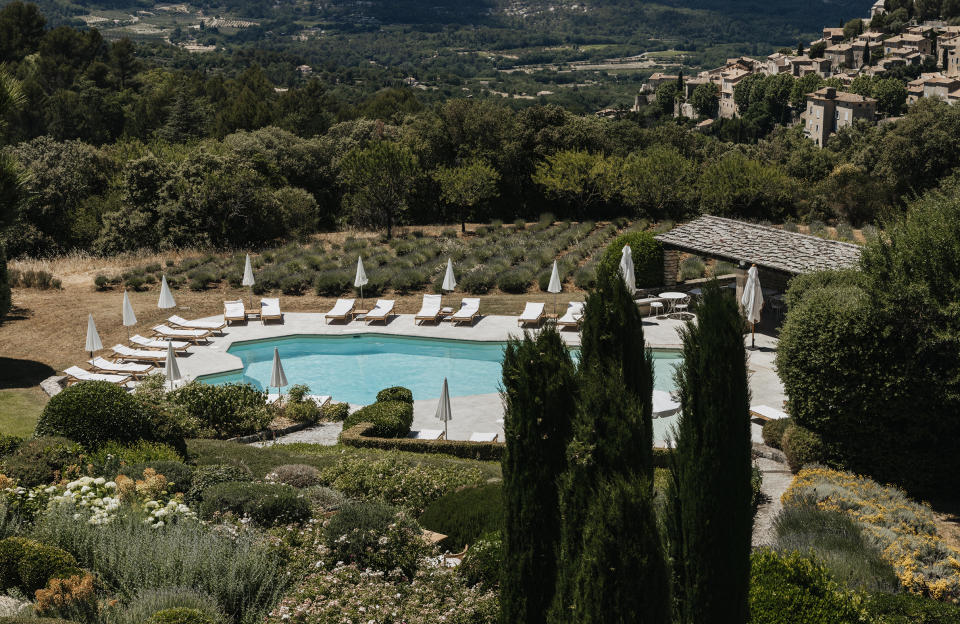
(477,413)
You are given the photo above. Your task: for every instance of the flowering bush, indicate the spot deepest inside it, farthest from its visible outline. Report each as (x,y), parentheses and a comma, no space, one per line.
(394,481)
(24,503)
(902,528)
(348,595)
(373,535)
(297,475)
(99,500)
(74,598)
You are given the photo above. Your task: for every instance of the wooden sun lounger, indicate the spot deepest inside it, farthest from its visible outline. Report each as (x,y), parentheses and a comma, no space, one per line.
(430,310)
(234,312)
(532,315)
(469,311)
(270,310)
(765,412)
(380,312)
(484,437)
(76,374)
(139,342)
(426,434)
(103,365)
(179,321)
(126,354)
(574,315)
(193,335)
(342,311)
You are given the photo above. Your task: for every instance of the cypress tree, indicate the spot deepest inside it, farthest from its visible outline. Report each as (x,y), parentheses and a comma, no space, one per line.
(710,512)
(4,284)
(539,381)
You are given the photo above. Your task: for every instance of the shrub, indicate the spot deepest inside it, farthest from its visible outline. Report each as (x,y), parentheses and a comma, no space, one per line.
(179,475)
(912,609)
(395,393)
(207,476)
(332,283)
(72,598)
(112,456)
(267,504)
(692,268)
(519,224)
(302,411)
(28,565)
(792,589)
(149,602)
(325,498)
(297,475)
(647,257)
(92,413)
(465,515)
(9,444)
(390,419)
(42,460)
(516,280)
(478,281)
(335,412)
(773,431)
(801,447)
(483,562)
(102,282)
(373,535)
(838,543)
(181,615)
(225,411)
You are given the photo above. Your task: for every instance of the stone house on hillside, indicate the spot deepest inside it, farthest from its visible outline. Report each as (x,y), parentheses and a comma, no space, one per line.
(829,110)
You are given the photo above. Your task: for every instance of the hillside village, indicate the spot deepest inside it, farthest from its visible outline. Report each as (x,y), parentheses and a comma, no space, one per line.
(874,47)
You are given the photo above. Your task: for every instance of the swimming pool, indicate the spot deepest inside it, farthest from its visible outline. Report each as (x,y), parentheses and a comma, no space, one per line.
(353,368)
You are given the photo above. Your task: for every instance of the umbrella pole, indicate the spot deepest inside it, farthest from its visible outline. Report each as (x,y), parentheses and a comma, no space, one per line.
(753,335)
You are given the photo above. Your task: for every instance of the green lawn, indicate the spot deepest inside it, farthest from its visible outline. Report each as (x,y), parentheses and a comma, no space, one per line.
(19,410)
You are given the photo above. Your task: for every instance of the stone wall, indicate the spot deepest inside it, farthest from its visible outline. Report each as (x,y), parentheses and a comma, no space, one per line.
(671,266)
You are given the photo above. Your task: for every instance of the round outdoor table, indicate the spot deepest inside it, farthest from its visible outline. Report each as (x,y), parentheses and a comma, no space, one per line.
(672,298)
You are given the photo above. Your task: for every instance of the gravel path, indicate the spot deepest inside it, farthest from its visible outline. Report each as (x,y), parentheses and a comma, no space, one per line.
(776,479)
(324,433)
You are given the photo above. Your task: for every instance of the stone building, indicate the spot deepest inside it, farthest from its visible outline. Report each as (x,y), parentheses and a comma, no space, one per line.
(829,110)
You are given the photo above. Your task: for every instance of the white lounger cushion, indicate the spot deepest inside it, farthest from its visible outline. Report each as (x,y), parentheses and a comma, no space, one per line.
(234,309)
(532,312)
(119,367)
(182,322)
(483,437)
(154,343)
(431,306)
(138,354)
(78,373)
(381,310)
(166,330)
(765,412)
(270,307)
(426,434)
(468,309)
(574,312)
(663,404)
(341,308)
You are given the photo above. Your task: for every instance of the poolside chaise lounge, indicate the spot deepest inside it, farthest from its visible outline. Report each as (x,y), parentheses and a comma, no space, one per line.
(319,399)
(426,434)
(573,316)
(380,312)
(103,365)
(342,310)
(469,311)
(234,312)
(154,343)
(126,354)
(193,335)
(532,314)
(765,412)
(179,321)
(75,374)
(429,310)
(484,437)
(270,310)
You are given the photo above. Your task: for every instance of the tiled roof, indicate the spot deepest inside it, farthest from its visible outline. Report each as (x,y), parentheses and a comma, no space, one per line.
(766,246)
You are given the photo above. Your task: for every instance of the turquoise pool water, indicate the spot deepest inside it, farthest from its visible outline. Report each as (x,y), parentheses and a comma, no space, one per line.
(353,368)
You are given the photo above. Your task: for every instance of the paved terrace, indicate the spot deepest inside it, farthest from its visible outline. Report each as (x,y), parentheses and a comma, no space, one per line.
(477,413)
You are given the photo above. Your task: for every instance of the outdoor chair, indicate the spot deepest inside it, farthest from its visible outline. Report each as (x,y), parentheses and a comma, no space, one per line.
(426,434)
(76,374)
(270,310)
(484,437)
(656,309)
(573,315)
(469,311)
(103,365)
(429,309)
(154,343)
(532,315)
(234,312)
(319,399)
(179,321)
(193,335)
(342,311)
(380,312)
(126,354)
(765,412)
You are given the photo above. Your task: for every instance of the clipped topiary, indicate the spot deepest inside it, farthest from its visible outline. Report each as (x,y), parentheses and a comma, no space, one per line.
(93,413)
(647,255)
(463,516)
(208,476)
(395,393)
(28,565)
(390,419)
(773,431)
(801,447)
(267,504)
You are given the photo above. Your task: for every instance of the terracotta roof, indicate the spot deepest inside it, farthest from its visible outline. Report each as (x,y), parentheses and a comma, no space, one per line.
(766,246)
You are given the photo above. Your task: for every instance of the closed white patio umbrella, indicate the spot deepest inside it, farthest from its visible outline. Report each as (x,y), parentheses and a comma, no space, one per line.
(129,318)
(443,408)
(361,278)
(277,378)
(93,338)
(166,297)
(449,281)
(248,277)
(171,370)
(626,267)
(555,286)
(752,302)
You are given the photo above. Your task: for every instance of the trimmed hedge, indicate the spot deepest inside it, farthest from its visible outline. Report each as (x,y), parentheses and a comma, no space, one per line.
(463,516)
(356,436)
(773,431)
(395,393)
(801,447)
(93,413)
(647,255)
(267,504)
(390,419)
(28,565)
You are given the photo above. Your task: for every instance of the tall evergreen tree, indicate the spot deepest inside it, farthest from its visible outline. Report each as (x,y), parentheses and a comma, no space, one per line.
(611,445)
(710,512)
(539,381)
